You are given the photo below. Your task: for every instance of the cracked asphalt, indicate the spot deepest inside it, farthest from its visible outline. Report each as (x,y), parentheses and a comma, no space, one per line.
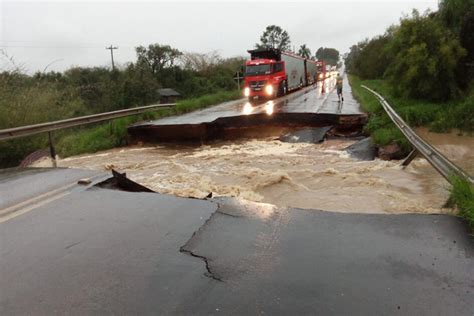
(102,251)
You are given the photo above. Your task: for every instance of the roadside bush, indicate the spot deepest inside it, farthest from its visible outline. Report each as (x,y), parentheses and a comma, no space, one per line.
(464,115)
(418,115)
(462,195)
(389,135)
(424,57)
(377,122)
(28,101)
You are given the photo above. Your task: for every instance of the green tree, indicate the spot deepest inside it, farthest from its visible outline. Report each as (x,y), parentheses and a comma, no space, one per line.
(138,87)
(424,57)
(465,71)
(458,15)
(351,59)
(157,57)
(274,37)
(304,51)
(369,59)
(329,55)
(453,11)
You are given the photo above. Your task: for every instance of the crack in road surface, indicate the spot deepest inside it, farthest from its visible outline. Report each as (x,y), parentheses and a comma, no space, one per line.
(209,273)
(184,249)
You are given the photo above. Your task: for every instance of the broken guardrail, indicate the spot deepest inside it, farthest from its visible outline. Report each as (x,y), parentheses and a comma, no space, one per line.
(22,131)
(442,164)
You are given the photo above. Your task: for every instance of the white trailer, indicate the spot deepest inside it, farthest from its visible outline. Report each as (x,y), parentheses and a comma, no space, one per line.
(311,72)
(295,70)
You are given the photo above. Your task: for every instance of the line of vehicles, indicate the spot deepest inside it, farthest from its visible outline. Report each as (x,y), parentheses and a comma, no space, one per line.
(271,73)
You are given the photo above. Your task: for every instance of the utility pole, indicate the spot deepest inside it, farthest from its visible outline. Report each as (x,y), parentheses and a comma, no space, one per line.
(237,78)
(112,54)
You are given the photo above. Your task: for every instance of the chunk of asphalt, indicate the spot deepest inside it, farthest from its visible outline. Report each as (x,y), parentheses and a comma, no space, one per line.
(119,181)
(306,135)
(362,150)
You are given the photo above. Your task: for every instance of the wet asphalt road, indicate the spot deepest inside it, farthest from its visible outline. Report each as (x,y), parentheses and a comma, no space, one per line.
(313,99)
(20,187)
(308,107)
(101,251)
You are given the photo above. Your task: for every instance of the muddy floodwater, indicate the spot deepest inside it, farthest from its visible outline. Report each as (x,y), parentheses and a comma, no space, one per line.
(455,146)
(315,176)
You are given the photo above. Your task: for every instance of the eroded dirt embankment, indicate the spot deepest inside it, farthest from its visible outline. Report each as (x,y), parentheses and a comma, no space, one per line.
(316,176)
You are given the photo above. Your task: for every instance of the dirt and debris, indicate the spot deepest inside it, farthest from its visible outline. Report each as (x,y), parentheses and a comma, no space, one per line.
(306,135)
(363,150)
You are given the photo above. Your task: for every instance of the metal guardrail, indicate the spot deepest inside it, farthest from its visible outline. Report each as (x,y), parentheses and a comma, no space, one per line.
(16,132)
(22,131)
(442,164)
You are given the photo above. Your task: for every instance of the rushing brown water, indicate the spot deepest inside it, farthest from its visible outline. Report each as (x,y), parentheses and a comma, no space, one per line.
(457,148)
(316,176)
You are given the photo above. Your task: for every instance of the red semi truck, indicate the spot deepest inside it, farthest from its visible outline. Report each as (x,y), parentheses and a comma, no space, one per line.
(272,73)
(321,70)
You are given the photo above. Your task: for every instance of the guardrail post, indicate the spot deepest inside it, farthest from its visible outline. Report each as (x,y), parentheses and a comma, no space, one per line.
(51,149)
(410,158)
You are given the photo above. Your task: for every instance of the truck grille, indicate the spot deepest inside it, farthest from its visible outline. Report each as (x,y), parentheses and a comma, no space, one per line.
(257,85)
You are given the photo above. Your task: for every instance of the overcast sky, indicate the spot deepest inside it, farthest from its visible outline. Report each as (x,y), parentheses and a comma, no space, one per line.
(65,33)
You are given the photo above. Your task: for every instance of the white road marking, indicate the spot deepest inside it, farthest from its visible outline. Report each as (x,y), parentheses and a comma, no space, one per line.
(39,200)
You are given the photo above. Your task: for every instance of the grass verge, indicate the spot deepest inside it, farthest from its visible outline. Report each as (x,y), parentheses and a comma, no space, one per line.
(462,195)
(439,117)
(379,125)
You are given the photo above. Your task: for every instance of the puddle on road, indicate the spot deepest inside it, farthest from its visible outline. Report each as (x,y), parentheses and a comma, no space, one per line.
(316,176)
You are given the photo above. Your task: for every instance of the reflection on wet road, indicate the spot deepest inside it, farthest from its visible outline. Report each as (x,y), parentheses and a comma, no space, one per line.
(319,98)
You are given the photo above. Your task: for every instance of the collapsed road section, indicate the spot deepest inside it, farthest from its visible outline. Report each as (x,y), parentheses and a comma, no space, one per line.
(103,251)
(240,118)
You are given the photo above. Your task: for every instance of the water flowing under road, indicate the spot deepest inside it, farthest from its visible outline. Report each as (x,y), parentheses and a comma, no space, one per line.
(316,176)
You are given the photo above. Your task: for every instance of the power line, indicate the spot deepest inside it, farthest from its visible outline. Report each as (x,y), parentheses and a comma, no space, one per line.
(50,44)
(112,54)
(37,46)
(45,44)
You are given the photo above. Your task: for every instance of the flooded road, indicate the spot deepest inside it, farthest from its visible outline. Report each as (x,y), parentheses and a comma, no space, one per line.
(316,176)
(310,176)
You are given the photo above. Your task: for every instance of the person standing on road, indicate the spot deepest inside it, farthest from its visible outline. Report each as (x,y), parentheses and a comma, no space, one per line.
(339,88)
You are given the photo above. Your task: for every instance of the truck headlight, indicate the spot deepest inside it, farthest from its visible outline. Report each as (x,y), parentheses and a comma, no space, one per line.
(246,91)
(269,89)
